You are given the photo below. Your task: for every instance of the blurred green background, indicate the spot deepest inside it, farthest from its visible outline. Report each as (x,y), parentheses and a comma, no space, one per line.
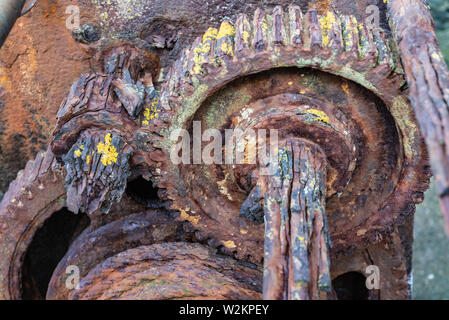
(431,247)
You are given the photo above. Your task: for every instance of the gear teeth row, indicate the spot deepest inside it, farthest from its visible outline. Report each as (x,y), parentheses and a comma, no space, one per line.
(28,181)
(310,31)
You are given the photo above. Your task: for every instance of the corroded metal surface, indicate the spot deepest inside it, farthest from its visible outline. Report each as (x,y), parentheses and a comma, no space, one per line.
(170,271)
(32,198)
(38,63)
(184,98)
(297,242)
(95,245)
(428,76)
(331,84)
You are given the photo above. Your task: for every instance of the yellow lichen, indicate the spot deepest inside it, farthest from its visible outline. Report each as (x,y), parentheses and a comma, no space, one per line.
(210,34)
(327,23)
(345,87)
(320,115)
(88,159)
(79,151)
(151,112)
(187,217)
(199,53)
(245,36)
(350,27)
(227,49)
(107,150)
(226,30)
(229,244)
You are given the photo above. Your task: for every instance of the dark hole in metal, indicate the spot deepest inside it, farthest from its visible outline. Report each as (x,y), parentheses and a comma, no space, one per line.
(143,192)
(351,286)
(48,247)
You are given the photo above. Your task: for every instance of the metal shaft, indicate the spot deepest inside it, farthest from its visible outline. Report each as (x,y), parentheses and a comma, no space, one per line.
(10,11)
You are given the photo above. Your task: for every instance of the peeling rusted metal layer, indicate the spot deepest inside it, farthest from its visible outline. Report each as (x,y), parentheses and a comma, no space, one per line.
(297,242)
(97,244)
(428,77)
(172,270)
(96,129)
(33,197)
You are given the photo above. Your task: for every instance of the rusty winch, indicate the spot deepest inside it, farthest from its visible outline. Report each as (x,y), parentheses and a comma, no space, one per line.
(321,92)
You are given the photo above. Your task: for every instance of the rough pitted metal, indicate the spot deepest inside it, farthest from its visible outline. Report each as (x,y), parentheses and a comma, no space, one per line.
(36,193)
(339,45)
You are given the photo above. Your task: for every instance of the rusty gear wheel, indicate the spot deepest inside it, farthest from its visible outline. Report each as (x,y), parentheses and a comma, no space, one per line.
(328,79)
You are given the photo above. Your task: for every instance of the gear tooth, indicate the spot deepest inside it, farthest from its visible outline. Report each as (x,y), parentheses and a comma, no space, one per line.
(331,30)
(243,34)
(185,65)
(225,39)
(314,28)
(209,46)
(195,57)
(279,34)
(350,33)
(296,27)
(364,41)
(370,49)
(164,99)
(177,75)
(260,31)
(172,79)
(337,34)
(383,51)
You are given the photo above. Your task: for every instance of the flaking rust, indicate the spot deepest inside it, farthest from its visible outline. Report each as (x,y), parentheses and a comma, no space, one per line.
(297,243)
(428,76)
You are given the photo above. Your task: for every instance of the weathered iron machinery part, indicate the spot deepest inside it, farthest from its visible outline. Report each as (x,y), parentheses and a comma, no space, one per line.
(355,67)
(171,270)
(428,76)
(96,244)
(97,130)
(345,77)
(97,171)
(295,114)
(389,257)
(297,243)
(36,193)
